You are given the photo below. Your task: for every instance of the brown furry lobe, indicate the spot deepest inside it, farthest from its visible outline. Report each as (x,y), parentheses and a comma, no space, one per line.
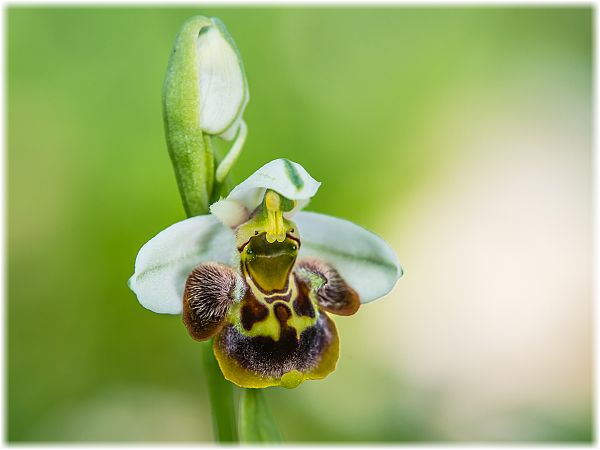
(209,292)
(332,292)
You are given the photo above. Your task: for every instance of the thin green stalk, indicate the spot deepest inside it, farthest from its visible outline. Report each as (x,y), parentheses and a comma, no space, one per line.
(220,392)
(256,423)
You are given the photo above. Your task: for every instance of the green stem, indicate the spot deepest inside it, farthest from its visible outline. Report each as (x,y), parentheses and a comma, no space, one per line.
(256,422)
(220,392)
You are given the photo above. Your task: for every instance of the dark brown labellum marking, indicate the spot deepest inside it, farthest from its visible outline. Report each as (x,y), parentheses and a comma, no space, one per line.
(302,305)
(283,313)
(252,312)
(274,298)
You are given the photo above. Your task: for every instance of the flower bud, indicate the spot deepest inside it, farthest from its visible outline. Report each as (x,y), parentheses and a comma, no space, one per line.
(221,81)
(205,93)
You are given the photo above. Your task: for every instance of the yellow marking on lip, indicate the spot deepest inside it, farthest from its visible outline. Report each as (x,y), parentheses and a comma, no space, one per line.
(268,327)
(301,323)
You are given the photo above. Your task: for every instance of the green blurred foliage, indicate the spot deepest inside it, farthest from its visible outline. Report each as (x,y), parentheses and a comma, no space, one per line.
(348,93)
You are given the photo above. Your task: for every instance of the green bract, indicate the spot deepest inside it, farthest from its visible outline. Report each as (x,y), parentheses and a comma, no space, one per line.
(262,277)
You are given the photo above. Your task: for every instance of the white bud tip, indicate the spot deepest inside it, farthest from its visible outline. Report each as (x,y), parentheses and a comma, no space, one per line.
(221,81)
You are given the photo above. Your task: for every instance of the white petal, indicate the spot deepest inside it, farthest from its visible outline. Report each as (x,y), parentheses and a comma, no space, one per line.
(165,261)
(229,212)
(221,81)
(365,261)
(281,175)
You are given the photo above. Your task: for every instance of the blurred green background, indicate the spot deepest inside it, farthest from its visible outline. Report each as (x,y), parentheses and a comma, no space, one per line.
(461,135)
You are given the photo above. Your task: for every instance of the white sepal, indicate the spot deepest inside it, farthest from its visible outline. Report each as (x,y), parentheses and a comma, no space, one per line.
(281,175)
(165,261)
(366,262)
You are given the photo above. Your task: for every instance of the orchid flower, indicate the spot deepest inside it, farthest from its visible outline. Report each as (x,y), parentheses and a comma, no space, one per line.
(262,277)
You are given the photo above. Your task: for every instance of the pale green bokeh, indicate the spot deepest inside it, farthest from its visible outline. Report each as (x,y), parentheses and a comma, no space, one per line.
(368,101)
